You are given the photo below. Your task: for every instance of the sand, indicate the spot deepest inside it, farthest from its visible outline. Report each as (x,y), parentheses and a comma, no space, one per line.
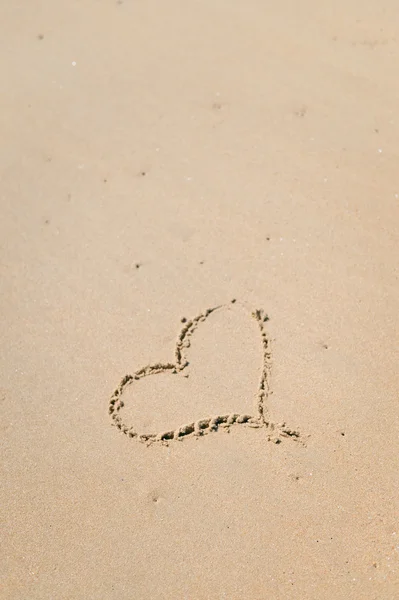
(159,159)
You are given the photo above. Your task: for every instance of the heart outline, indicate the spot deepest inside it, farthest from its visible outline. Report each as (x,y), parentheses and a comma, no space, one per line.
(209,424)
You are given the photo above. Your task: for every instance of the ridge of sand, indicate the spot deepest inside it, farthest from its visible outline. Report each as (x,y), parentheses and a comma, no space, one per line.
(216,422)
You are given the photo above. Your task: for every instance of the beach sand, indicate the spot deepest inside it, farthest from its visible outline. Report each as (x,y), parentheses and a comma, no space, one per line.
(158,159)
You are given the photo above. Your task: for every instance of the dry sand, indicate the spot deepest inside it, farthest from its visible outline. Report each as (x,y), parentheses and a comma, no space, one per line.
(157,159)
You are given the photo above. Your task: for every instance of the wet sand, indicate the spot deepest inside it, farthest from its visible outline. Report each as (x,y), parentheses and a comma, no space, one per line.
(157,160)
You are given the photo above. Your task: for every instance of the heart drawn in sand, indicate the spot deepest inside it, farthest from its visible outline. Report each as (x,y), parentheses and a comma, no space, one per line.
(260,418)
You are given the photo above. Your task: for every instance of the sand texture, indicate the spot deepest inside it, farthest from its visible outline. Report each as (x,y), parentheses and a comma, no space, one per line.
(199,243)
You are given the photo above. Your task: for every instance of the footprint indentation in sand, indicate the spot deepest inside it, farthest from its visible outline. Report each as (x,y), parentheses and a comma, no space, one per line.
(261,418)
